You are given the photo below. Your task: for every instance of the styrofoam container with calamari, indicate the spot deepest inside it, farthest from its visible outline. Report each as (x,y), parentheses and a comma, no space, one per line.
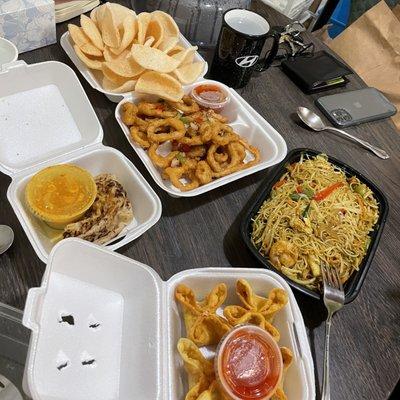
(190,148)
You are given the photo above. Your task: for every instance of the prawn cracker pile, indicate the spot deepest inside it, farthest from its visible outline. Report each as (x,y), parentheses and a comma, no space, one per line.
(135,52)
(192,145)
(205,327)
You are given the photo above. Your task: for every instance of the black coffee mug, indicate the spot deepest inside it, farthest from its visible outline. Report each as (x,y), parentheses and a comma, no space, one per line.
(241,41)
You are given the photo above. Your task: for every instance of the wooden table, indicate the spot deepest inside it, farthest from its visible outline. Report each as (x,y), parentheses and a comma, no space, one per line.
(204,231)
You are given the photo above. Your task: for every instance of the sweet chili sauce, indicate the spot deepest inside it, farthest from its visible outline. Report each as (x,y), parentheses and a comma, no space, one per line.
(249,364)
(210,93)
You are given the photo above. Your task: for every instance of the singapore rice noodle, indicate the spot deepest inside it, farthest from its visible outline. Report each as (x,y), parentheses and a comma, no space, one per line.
(315,214)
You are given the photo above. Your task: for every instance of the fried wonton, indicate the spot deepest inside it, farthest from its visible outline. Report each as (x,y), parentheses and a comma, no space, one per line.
(256,310)
(201,376)
(203,326)
(287,358)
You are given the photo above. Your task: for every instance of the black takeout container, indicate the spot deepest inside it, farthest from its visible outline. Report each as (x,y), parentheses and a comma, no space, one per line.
(353,285)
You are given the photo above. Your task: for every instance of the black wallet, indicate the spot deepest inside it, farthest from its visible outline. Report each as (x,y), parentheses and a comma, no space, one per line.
(316,73)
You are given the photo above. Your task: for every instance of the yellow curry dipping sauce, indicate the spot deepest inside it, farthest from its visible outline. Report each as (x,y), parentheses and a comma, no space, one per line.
(60,194)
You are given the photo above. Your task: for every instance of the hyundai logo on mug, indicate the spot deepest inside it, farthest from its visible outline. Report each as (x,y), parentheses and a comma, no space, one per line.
(240,43)
(246,61)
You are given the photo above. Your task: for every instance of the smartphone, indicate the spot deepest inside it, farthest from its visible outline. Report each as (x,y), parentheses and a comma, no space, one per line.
(355,107)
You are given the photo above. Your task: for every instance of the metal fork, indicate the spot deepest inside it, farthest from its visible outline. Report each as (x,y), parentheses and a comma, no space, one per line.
(333,300)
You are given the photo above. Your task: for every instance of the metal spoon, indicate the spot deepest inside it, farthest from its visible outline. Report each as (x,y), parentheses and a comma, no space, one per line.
(313,121)
(6,238)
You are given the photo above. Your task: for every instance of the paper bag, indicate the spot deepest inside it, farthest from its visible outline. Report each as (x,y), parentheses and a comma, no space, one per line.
(371,46)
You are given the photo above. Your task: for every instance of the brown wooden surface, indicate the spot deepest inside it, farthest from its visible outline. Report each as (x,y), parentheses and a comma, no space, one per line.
(204,231)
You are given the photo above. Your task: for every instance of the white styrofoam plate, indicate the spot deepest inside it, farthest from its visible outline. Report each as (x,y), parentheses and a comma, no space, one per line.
(139,324)
(93,77)
(46,119)
(244,120)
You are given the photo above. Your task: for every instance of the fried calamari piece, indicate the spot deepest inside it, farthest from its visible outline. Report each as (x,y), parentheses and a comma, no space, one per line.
(185,171)
(139,137)
(221,157)
(159,160)
(207,114)
(234,167)
(203,326)
(213,163)
(128,114)
(162,130)
(256,308)
(223,135)
(235,155)
(197,152)
(159,110)
(191,141)
(142,124)
(186,106)
(208,130)
(203,172)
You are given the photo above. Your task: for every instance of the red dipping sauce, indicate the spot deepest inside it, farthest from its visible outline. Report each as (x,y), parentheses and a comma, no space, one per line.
(210,95)
(249,364)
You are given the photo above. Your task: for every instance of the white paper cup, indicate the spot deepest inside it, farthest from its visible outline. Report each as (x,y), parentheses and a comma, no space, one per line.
(8,52)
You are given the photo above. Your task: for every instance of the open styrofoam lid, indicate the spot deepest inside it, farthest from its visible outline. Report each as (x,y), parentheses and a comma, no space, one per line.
(44,113)
(96,327)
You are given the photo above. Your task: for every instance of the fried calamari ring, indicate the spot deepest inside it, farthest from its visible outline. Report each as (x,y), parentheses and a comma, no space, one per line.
(175,174)
(159,160)
(139,137)
(158,110)
(187,105)
(252,149)
(175,130)
(203,172)
(141,123)
(224,135)
(208,130)
(191,141)
(238,167)
(221,157)
(128,115)
(211,114)
(196,151)
(214,164)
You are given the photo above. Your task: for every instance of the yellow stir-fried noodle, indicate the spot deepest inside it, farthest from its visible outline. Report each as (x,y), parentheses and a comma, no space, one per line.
(314,215)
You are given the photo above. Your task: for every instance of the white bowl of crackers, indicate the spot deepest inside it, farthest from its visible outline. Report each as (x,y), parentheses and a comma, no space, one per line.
(120,52)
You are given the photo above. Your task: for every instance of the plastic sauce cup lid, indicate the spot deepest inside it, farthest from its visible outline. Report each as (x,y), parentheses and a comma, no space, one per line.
(248,364)
(210,95)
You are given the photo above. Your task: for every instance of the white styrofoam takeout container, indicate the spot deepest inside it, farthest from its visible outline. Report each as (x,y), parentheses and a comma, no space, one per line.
(244,120)
(94,77)
(127,324)
(46,119)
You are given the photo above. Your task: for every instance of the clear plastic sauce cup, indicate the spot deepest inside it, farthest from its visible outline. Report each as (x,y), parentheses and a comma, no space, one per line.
(248,364)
